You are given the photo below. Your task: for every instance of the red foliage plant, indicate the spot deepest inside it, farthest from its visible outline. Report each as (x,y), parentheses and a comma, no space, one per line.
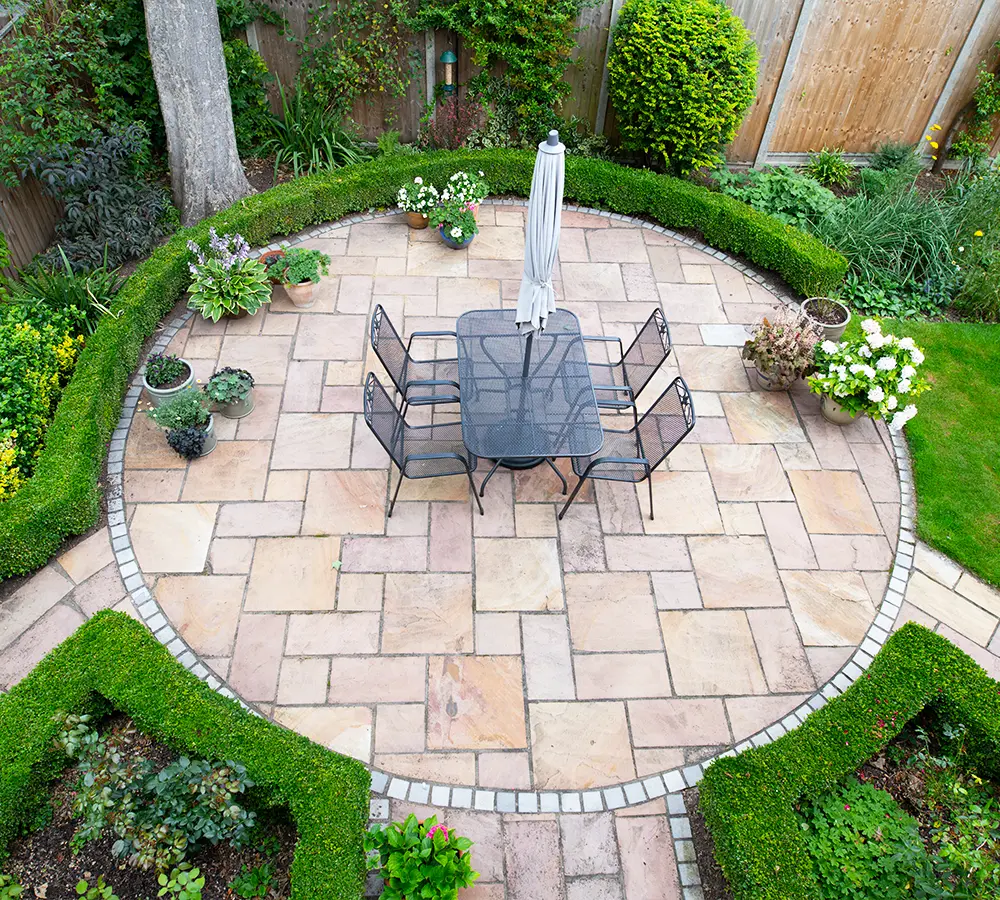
(453,122)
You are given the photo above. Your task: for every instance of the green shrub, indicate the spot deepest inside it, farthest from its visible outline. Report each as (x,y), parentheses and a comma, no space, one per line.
(248,80)
(886,298)
(682,74)
(62,497)
(897,156)
(789,196)
(749,800)
(9,888)
(830,168)
(255,882)
(100,891)
(183,883)
(113,662)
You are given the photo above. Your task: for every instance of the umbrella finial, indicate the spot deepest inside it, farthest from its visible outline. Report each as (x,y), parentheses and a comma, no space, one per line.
(553,138)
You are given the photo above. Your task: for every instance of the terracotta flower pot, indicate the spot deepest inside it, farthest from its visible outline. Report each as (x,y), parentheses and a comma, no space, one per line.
(268,259)
(416,220)
(834,412)
(301,295)
(159,396)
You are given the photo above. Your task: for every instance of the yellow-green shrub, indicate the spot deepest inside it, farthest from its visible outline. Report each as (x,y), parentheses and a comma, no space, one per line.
(682,74)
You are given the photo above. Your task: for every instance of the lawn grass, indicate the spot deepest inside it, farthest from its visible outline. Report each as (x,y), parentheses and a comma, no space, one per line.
(955,442)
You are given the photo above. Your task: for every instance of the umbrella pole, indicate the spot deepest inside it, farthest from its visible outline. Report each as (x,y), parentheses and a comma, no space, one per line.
(527,353)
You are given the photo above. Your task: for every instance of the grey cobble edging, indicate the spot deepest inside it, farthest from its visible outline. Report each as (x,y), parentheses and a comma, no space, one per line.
(668,784)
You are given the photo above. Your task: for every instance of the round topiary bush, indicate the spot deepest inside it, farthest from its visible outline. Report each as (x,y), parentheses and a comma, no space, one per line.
(682,73)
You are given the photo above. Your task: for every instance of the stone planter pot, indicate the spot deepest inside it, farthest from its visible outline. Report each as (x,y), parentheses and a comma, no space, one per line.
(772,381)
(268,259)
(416,220)
(210,439)
(455,245)
(830,331)
(238,408)
(834,412)
(301,295)
(159,396)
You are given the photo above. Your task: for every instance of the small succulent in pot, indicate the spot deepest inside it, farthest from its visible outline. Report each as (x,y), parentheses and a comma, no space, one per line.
(232,392)
(300,270)
(455,223)
(165,376)
(781,347)
(225,281)
(183,412)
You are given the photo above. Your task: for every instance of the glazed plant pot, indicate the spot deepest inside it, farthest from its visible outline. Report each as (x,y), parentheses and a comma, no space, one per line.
(238,408)
(269,259)
(832,330)
(455,245)
(210,439)
(301,295)
(834,412)
(160,395)
(416,220)
(771,380)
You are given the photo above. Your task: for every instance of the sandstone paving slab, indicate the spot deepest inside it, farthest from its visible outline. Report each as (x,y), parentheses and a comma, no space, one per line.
(827,661)
(267,519)
(400,728)
(498,634)
(331,337)
(427,613)
(782,655)
(384,554)
(360,591)
(788,537)
(834,503)
(579,744)
(589,844)
(312,441)
(697,639)
(235,470)
(256,660)
(206,608)
(264,356)
(347,730)
(676,590)
(621,676)
(303,682)
(31,601)
(959,613)
(592,282)
(740,519)
(687,504)
(475,702)
(981,594)
(548,666)
(349,501)
(611,612)
(747,472)
(618,506)
(293,573)
(852,551)
(628,553)
(382,679)
(830,608)
(712,368)
(87,557)
(759,417)
(172,537)
(735,572)
(147,447)
(262,423)
(532,860)
(678,722)
(748,715)
(289,486)
(326,633)
(101,591)
(454,768)
(20,657)
(153,485)
(582,539)
(510,770)
(518,574)
(649,868)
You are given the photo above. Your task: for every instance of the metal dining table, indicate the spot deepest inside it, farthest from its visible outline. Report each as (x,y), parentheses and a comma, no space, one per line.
(525,402)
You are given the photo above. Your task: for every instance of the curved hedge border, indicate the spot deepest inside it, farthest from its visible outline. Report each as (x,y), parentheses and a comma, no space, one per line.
(748,800)
(62,497)
(112,659)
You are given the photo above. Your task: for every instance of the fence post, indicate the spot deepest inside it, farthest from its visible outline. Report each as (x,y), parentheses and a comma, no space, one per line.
(253,42)
(430,63)
(602,100)
(971,39)
(787,73)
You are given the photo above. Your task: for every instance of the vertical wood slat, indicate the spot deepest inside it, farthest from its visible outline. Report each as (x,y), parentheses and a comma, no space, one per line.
(28,220)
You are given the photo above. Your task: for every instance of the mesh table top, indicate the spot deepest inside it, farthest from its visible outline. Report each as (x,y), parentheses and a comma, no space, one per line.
(551,412)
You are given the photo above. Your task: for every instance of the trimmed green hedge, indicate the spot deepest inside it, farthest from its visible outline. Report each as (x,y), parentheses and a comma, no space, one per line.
(113,662)
(62,497)
(748,800)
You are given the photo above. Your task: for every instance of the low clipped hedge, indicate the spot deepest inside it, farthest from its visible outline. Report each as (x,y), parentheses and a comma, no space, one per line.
(62,497)
(113,662)
(748,800)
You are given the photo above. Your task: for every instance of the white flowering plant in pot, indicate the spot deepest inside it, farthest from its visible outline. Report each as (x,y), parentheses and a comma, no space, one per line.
(417,197)
(466,189)
(875,375)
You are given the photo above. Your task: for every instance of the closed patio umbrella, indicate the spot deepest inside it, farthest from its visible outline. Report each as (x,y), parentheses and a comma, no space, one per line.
(536,298)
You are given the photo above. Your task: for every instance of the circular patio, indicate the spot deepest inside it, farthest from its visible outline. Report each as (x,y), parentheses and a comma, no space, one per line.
(513,651)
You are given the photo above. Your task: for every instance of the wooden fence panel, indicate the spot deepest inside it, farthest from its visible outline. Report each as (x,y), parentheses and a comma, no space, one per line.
(28,220)
(870,70)
(584,75)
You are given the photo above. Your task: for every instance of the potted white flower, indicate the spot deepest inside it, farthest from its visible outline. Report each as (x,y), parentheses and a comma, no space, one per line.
(466,190)
(876,375)
(417,200)
(455,223)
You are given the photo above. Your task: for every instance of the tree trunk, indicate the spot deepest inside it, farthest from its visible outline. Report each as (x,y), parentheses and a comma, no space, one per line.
(185,47)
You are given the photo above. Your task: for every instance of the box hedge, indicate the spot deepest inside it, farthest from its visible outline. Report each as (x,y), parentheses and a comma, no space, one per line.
(748,800)
(63,498)
(113,663)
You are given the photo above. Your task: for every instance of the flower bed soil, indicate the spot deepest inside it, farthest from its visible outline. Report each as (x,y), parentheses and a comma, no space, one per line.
(44,865)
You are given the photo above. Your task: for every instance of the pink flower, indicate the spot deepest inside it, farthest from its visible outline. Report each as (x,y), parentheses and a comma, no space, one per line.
(442,828)
(847,806)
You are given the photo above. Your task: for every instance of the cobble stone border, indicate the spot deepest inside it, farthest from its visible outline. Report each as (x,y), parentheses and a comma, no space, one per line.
(667,784)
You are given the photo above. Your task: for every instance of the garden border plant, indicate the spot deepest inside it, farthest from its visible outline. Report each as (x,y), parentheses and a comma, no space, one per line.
(63,497)
(113,662)
(748,800)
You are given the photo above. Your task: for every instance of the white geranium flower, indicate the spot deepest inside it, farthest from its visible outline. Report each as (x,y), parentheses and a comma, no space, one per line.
(870,326)
(907,372)
(865,352)
(418,180)
(828,347)
(917,357)
(875,340)
(907,343)
(857,368)
(892,402)
(876,394)
(456,233)
(903,387)
(886,364)
(869,373)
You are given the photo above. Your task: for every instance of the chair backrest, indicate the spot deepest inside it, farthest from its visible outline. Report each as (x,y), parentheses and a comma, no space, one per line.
(389,347)
(647,352)
(385,421)
(667,422)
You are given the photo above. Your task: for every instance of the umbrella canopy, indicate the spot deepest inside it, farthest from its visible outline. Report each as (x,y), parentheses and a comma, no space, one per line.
(536,298)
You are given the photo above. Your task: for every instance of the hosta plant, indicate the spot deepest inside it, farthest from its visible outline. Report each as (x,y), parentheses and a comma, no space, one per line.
(417,197)
(875,375)
(224,279)
(420,859)
(782,344)
(466,189)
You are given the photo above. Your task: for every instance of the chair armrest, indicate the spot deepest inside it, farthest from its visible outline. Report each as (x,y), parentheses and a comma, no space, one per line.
(600,339)
(416,457)
(619,461)
(430,381)
(613,388)
(425,334)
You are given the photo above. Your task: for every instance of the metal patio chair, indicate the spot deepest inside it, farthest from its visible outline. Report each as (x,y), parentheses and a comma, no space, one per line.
(632,455)
(419,451)
(419,381)
(618,384)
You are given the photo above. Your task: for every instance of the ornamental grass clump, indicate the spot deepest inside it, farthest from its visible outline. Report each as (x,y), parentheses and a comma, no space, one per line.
(420,859)
(782,345)
(875,375)
(225,280)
